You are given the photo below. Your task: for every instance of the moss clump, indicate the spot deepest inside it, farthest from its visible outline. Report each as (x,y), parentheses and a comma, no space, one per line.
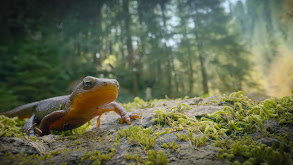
(254,152)
(239,116)
(172,146)
(181,107)
(97,157)
(178,121)
(242,115)
(21,158)
(285,110)
(156,158)
(140,136)
(196,141)
(11,126)
(138,159)
(139,103)
(117,141)
(286,118)
(181,137)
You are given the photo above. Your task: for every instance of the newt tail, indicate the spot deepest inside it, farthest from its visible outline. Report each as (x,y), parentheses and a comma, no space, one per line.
(24,111)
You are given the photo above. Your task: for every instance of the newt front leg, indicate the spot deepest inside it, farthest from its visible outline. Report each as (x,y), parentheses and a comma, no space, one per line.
(114,106)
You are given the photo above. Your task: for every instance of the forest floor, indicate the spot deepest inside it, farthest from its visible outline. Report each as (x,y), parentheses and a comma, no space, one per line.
(169,132)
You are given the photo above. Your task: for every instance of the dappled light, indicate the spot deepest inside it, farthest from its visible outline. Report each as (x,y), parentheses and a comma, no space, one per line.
(151,82)
(155,49)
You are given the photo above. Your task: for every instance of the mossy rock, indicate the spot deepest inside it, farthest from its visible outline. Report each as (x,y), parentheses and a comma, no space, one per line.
(182,131)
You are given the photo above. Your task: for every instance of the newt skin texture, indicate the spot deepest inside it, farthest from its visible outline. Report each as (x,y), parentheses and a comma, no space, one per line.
(92,97)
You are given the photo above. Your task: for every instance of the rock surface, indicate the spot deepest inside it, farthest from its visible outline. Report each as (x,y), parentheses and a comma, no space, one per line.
(56,149)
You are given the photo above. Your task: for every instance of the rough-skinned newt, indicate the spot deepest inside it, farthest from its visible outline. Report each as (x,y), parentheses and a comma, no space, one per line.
(91,98)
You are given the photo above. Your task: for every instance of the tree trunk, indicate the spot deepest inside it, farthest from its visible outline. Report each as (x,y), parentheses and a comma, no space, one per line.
(203,73)
(201,57)
(95,33)
(166,52)
(190,61)
(130,47)
(190,71)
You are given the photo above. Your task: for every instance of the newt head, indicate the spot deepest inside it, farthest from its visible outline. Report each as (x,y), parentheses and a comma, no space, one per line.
(93,93)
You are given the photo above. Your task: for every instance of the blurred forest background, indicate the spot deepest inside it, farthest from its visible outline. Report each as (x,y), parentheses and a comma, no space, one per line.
(154,48)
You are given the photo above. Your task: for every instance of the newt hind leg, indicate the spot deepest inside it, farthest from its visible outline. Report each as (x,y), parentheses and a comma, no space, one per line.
(114,106)
(48,120)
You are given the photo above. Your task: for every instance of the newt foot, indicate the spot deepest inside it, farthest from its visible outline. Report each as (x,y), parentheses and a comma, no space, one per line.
(126,118)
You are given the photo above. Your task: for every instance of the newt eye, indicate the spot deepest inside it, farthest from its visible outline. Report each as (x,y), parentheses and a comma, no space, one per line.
(88,83)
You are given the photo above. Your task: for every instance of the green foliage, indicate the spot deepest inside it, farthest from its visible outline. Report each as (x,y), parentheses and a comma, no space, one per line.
(175,119)
(11,126)
(181,107)
(285,109)
(181,137)
(42,58)
(243,115)
(140,136)
(97,157)
(196,141)
(138,103)
(172,146)
(134,157)
(254,152)
(117,141)
(8,99)
(156,158)
(240,116)
(28,159)
(228,126)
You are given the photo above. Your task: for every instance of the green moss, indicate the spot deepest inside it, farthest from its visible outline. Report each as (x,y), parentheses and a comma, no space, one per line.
(137,158)
(21,158)
(78,142)
(56,152)
(178,121)
(181,107)
(254,152)
(181,137)
(33,138)
(97,156)
(140,136)
(172,146)
(138,103)
(117,141)
(242,115)
(285,110)
(11,126)
(196,141)
(239,116)
(156,158)
(8,157)
(128,156)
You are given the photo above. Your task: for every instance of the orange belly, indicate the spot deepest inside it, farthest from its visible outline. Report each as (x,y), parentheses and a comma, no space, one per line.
(71,121)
